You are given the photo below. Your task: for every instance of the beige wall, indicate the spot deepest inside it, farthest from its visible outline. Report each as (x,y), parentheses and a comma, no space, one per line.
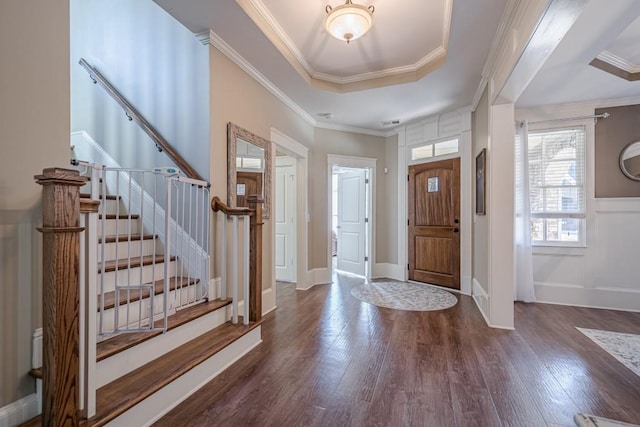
(346,144)
(481,224)
(236,97)
(34,134)
(388,250)
(611,136)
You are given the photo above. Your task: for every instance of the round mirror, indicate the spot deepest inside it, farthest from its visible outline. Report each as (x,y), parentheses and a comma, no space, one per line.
(630,161)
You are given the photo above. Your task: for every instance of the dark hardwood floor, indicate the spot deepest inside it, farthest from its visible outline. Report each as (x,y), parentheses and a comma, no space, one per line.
(330,360)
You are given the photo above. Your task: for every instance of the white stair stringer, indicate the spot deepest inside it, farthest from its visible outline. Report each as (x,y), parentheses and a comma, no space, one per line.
(161,402)
(134,357)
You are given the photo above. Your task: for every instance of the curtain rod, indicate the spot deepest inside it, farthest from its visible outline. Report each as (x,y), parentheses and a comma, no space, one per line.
(595,117)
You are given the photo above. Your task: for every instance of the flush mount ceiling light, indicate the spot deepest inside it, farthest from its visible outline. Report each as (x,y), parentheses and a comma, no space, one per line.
(348,21)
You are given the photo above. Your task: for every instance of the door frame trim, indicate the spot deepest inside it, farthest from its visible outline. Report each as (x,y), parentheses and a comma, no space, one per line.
(435,128)
(361,163)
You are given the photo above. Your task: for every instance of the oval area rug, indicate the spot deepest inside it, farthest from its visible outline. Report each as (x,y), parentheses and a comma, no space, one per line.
(404,296)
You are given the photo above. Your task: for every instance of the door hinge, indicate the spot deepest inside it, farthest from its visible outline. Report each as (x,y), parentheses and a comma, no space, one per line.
(407,177)
(366,181)
(366,258)
(366,220)
(408,268)
(408,222)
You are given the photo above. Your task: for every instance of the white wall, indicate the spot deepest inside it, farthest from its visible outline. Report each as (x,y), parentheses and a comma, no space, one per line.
(159,67)
(34,134)
(605,272)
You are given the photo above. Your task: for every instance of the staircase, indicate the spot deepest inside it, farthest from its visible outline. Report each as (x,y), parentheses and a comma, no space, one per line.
(155,341)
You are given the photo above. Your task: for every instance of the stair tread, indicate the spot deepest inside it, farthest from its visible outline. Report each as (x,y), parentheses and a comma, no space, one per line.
(125,392)
(109,196)
(134,294)
(124,263)
(118,396)
(121,216)
(122,342)
(126,238)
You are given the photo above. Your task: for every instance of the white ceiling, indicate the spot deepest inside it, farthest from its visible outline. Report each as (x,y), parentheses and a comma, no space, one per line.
(402,39)
(567,77)
(399,38)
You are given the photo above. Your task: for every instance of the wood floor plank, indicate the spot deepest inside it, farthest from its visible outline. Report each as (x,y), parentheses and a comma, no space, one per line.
(329,359)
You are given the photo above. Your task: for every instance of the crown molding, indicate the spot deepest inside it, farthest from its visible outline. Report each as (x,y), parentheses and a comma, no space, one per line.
(211,38)
(267,23)
(355,129)
(437,54)
(619,62)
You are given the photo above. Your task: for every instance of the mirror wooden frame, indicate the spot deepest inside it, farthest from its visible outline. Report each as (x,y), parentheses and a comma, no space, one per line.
(621,160)
(234,133)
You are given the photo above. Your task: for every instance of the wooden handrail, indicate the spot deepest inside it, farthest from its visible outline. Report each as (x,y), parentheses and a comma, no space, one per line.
(134,115)
(219,206)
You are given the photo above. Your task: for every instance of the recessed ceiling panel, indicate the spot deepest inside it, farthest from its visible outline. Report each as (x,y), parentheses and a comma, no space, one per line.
(408,39)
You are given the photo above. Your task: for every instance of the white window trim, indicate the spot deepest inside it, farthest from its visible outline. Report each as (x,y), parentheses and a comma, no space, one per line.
(432,143)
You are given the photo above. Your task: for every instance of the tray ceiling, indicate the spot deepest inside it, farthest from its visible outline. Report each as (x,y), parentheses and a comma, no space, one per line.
(408,40)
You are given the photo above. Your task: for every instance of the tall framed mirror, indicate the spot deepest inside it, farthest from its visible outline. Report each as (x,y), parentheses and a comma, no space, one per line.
(248,168)
(630,161)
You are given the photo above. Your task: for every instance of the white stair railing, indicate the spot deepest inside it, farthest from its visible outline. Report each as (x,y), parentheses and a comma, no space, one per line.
(233,280)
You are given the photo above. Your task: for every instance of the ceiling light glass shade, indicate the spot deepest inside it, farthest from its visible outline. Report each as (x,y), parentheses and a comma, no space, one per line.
(348,21)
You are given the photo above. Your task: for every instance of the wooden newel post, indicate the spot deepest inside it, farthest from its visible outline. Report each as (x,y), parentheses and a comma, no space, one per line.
(255,259)
(60,236)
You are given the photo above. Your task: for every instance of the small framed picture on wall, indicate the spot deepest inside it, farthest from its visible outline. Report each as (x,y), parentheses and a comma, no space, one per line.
(481,178)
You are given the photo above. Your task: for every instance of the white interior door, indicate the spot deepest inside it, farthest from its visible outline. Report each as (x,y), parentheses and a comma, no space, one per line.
(352,221)
(285,213)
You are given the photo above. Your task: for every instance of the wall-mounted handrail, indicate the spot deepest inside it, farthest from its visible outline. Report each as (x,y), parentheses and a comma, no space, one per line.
(134,115)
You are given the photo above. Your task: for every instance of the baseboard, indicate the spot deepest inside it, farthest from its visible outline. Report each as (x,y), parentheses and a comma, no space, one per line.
(160,403)
(579,296)
(466,285)
(316,276)
(388,271)
(268,302)
(481,298)
(19,411)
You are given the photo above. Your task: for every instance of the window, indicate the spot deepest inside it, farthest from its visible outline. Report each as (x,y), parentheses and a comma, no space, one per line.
(556,185)
(434,149)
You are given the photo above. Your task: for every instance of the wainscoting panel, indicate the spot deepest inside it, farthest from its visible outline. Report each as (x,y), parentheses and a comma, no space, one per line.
(605,273)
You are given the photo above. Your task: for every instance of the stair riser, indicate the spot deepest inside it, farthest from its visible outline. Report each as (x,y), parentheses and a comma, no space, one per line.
(136,312)
(124,226)
(124,249)
(112,206)
(132,276)
(128,360)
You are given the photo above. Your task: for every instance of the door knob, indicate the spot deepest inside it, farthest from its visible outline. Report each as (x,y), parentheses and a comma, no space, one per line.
(456,220)
(455,230)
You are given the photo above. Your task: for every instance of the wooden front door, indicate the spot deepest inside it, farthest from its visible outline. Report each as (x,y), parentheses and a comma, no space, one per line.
(434,223)
(248,184)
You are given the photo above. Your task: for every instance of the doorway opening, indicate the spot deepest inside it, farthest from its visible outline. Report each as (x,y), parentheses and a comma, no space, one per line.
(351,219)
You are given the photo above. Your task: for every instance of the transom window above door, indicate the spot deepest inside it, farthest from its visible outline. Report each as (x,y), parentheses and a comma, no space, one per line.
(434,149)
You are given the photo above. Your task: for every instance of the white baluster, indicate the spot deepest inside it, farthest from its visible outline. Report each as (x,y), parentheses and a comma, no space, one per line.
(245,290)
(234,269)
